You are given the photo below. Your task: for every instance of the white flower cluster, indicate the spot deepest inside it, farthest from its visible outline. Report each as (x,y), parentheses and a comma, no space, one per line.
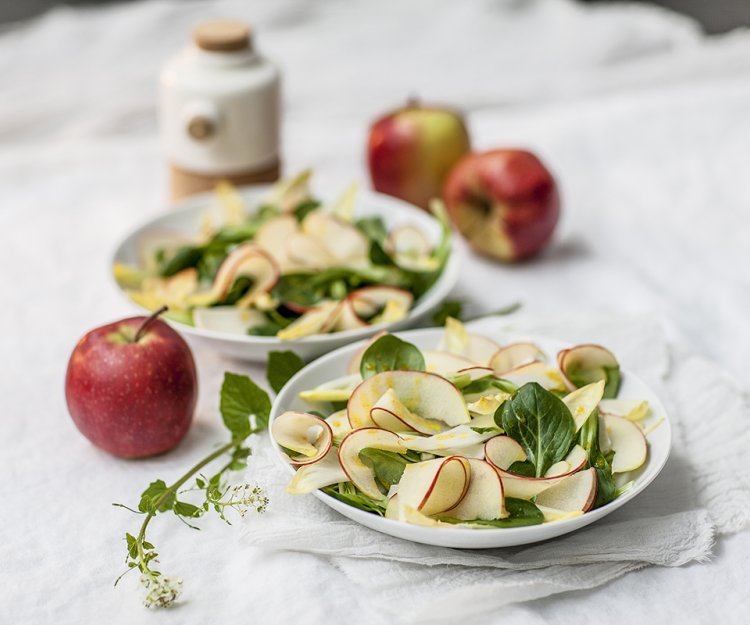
(162,591)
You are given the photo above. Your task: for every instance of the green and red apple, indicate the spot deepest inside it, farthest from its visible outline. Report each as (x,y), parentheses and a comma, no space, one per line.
(131,387)
(411,151)
(504,202)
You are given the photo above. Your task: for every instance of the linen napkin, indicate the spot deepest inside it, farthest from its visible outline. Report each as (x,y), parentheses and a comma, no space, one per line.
(703,489)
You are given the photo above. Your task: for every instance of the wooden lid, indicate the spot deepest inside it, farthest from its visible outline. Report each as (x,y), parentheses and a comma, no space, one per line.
(222,36)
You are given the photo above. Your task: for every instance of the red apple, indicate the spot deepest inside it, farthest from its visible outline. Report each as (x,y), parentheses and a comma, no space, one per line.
(131,387)
(505,203)
(411,150)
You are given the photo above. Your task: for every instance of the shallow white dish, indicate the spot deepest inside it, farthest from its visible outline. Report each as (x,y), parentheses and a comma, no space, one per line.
(333,365)
(186,218)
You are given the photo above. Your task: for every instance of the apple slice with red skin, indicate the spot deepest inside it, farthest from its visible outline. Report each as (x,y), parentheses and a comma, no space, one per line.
(348,319)
(456,340)
(575,493)
(356,360)
(342,241)
(369,300)
(390,413)
(426,394)
(628,443)
(587,363)
(434,486)
(502,451)
(539,372)
(306,434)
(504,202)
(631,409)
(357,471)
(443,363)
(512,356)
(246,260)
(583,401)
(484,498)
(323,472)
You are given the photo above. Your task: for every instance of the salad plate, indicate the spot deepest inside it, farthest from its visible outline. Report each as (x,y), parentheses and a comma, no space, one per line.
(389,296)
(296,398)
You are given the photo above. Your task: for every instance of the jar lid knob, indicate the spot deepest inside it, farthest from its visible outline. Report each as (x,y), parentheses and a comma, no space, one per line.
(222,36)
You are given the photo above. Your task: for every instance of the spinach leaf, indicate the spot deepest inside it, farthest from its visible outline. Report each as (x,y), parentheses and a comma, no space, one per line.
(524,468)
(347,493)
(520,513)
(240,286)
(390,353)
(489,383)
(388,466)
(588,438)
(304,208)
(281,367)
(184,257)
(373,228)
(449,308)
(540,422)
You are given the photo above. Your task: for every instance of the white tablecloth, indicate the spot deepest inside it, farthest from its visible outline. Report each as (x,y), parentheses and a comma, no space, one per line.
(644,122)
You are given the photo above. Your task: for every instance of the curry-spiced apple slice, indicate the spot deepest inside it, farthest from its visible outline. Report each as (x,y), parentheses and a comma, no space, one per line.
(434,486)
(307,435)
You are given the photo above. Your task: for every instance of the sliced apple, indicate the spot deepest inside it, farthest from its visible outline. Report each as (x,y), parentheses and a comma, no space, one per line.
(458,438)
(348,319)
(515,355)
(583,401)
(338,389)
(248,260)
(307,252)
(434,486)
(425,394)
(390,413)
(339,424)
(584,364)
(628,443)
(393,508)
(552,514)
(229,319)
(574,493)
(503,451)
(458,341)
(273,237)
(306,434)
(356,360)
(488,404)
(174,292)
(361,475)
(408,240)
(370,300)
(484,498)
(317,320)
(539,372)
(445,363)
(342,241)
(343,207)
(632,409)
(311,477)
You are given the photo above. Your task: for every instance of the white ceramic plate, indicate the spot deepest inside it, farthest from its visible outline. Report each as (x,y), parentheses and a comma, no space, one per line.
(186,218)
(333,365)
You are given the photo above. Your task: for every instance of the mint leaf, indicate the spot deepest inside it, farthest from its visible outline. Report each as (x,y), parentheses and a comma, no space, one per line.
(449,308)
(390,353)
(540,422)
(281,367)
(241,399)
(182,508)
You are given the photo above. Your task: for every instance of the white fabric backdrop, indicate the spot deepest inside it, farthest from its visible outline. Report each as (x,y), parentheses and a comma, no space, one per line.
(643,120)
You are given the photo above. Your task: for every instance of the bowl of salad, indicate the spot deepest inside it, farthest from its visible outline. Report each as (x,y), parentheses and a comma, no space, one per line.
(257,269)
(454,438)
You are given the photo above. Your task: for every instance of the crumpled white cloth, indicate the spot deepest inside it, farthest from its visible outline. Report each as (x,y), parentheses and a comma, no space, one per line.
(671,523)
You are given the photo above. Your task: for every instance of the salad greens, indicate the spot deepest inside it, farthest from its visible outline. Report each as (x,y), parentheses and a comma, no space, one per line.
(482,448)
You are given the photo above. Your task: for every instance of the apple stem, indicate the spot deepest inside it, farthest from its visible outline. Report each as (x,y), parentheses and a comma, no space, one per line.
(147,322)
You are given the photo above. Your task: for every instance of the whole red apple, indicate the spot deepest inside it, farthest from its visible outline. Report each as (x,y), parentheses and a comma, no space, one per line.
(131,387)
(411,150)
(505,202)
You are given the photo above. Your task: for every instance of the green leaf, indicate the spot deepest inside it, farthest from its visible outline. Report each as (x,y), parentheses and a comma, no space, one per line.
(540,422)
(373,228)
(489,383)
(304,208)
(588,438)
(524,468)
(240,286)
(239,458)
(388,466)
(281,367)
(349,495)
(390,353)
(132,545)
(520,513)
(449,308)
(152,494)
(485,430)
(182,508)
(242,399)
(185,257)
